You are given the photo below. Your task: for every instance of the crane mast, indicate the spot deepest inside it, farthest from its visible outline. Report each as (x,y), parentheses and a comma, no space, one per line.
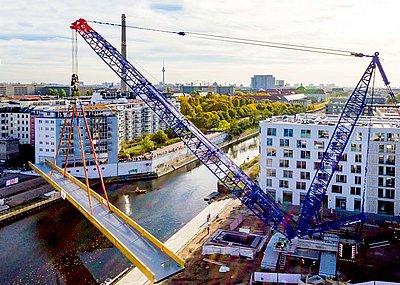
(244,188)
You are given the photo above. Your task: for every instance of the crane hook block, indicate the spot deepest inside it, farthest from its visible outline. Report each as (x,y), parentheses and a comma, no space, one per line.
(81,26)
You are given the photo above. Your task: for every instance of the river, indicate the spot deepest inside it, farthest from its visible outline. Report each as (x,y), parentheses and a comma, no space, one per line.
(59,246)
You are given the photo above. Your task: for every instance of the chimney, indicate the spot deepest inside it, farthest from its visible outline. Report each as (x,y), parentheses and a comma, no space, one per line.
(123,50)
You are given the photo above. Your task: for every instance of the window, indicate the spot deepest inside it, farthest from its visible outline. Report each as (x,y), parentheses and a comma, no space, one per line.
(385,207)
(305,154)
(283,163)
(341,178)
(269,162)
(358,136)
(271,151)
(301,164)
(305,134)
(344,157)
(336,188)
(271,172)
(389,148)
(387,159)
(283,184)
(305,175)
(355,190)
(357,205)
(386,182)
(287,153)
(316,165)
(355,147)
(358,158)
(287,197)
(391,137)
(284,142)
(319,145)
(339,168)
(288,132)
(341,203)
(287,174)
(322,134)
(300,185)
(378,137)
(320,154)
(271,132)
(301,144)
(386,193)
(355,168)
(268,182)
(390,171)
(357,180)
(269,141)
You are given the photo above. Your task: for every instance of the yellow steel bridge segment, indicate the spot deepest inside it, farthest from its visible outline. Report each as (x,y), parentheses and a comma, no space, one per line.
(145,251)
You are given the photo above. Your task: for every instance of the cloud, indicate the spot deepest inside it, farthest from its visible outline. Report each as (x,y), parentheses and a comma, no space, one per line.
(167,7)
(31,37)
(35,46)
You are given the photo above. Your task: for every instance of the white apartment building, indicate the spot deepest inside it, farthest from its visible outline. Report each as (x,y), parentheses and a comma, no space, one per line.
(102,124)
(15,123)
(291,148)
(135,118)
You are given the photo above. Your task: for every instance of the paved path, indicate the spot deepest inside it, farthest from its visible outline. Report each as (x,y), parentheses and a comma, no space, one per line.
(180,239)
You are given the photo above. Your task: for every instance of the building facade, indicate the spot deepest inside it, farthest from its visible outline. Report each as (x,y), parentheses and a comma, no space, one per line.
(15,123)
(103,126)
(262,82)
(9,149)
(17,89)
(291,149)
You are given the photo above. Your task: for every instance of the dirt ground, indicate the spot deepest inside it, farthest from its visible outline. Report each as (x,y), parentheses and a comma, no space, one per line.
(198,271)
(371,264)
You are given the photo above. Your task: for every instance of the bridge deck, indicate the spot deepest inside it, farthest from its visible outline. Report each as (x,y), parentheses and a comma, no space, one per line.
(146,252)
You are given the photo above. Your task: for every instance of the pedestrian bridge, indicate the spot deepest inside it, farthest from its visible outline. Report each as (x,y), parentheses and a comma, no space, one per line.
(146,252)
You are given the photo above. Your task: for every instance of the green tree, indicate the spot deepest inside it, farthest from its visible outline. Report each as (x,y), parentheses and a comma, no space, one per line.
(239,93)
(89,92)
(159,137)
(187,109)
(63,93)
(147,144)
(223,126)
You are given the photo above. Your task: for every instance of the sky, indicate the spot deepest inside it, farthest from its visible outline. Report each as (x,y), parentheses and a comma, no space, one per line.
(35,39)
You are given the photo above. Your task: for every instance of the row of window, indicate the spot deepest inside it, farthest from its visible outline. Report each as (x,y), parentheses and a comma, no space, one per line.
(324,134)
(304,133)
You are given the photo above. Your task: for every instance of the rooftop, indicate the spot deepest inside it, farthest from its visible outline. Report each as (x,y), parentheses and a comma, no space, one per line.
(384,118)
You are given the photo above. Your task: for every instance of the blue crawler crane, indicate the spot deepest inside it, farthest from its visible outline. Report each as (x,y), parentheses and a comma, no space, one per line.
(244,188)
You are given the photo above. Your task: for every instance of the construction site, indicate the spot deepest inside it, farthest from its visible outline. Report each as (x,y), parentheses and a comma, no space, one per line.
(339,257)
(256,240)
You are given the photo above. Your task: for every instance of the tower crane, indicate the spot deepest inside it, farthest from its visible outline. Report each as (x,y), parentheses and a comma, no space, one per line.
(262,204)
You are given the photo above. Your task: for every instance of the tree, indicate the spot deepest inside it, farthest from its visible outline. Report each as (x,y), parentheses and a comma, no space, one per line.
(187,110)
(147,144)
(223,126)
(159,137)
(63,93)
(89,92)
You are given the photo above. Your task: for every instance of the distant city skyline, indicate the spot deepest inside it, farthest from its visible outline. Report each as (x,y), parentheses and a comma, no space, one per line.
(35,40)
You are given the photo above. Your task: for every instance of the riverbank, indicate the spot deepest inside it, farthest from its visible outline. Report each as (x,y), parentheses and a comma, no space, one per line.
(29,209)
(192,158)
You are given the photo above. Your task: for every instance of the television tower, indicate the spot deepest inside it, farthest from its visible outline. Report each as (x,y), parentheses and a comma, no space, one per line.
(163,74)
